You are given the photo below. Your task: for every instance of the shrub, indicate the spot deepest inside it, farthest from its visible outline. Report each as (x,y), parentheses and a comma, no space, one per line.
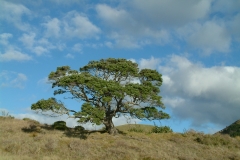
(79,128)
(164,129)
(60,125)
(32,121)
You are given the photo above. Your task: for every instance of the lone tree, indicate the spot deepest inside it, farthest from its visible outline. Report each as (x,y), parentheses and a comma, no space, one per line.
(109,88)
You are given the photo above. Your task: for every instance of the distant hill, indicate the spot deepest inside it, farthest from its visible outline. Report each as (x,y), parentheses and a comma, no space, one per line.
(233,130)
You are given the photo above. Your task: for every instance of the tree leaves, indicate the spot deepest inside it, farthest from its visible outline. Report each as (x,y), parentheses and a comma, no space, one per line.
(50,104)
(91,114)
(109,87)
(148,113)
(114,69)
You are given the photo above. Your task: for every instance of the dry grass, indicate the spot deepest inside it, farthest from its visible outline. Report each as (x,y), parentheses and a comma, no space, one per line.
(26,140)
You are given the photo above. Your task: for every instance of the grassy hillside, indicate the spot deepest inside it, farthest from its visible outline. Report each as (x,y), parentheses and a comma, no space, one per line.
(26,140)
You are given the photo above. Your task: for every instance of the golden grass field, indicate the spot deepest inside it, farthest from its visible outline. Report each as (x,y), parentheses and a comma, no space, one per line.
(29,140)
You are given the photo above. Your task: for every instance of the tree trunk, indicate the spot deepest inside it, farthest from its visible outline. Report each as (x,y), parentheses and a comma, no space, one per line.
(110,126)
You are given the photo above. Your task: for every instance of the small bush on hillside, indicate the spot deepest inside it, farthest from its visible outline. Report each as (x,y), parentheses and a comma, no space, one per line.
(31,120)
(79,128)
(164,129)
(60,125)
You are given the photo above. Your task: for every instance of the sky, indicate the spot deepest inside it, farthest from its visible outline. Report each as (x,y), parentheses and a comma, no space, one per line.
(194,44)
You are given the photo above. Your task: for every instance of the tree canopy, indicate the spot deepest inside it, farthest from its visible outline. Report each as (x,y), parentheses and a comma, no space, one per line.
(109,88)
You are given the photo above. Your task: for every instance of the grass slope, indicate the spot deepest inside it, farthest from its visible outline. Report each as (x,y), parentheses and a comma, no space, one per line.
(27,140)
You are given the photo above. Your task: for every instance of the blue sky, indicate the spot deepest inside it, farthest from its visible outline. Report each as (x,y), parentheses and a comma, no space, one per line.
(194,44)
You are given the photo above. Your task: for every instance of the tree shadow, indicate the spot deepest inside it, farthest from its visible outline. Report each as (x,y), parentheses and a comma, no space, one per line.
(83,134)
(37,128)
(104,131)
(122,133)
(31,128)
(73,133)
(79,132)
(47,127)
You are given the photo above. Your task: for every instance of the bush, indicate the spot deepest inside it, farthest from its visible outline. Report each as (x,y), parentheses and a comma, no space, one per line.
(164,129)
(60,125)
(79,128)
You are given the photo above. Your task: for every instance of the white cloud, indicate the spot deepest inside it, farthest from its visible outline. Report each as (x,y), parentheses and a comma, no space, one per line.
(4,38)
(12,79)
(39,50)
(37,46)
(69,56)
(128,31)
(79,26)
(72,25)
(46,119)
(43,81)
(63,2)
(205,95)
(14,55)
(77,47)
(133,60)
(173,101)
(210,37)
(151,63)
(234,27)
(197,93)
(124,40)
(125,120)
(226,7)
(137,23)
(13,13)
(109,44)
(28,39)
(114,17)
(52,27)
(170,12)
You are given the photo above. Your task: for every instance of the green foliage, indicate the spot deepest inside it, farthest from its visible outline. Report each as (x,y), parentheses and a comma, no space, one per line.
(79,128)
(91,114)
(50,104)
(233,130)
(60,125)
(164,129)
(108,89)
(150,113)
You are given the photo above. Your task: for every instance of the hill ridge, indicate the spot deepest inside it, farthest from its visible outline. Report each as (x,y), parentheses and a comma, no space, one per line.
(233,130)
